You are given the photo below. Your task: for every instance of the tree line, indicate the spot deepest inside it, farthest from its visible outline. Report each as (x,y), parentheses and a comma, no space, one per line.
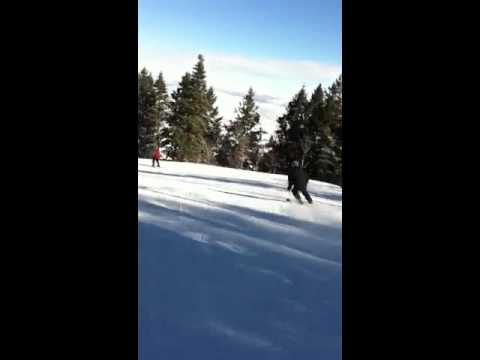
(188,127)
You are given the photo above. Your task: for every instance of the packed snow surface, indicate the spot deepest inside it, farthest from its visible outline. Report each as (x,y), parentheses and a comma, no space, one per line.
(228,269)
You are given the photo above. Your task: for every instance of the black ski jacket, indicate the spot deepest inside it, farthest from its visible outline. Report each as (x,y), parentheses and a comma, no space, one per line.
(298,178)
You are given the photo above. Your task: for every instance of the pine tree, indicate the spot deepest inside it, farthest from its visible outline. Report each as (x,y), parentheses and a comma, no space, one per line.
(147,124)
(184,137)
(199,76)
(241,142)
(214,127)
(294,139)
(269,159)
(204,106)
(223,156)
(310,130)
(161,93)
(334,108)
(162,105)
(316,110)
(334,115)
(325,159)
(319,129)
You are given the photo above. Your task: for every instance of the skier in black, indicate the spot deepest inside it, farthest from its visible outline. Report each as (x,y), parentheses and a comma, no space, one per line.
(298,179)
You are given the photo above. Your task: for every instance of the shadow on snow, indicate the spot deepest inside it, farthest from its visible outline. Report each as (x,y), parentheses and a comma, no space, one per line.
(196,298)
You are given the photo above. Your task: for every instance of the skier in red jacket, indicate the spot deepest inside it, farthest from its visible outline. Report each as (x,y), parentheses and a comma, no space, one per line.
(156,157)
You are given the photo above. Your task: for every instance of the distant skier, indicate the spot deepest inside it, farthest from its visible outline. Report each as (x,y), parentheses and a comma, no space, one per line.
(156,157)
(298,179)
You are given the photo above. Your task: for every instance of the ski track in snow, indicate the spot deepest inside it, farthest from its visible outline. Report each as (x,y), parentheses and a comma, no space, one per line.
(228,269)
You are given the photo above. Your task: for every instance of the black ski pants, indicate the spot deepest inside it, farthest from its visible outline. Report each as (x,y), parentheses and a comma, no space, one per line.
(304,192)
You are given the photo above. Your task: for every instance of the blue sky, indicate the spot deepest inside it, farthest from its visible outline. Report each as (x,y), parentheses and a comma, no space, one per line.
(290,29)
(275,46)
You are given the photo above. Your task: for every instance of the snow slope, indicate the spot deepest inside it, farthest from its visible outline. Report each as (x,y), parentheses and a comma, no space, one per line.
(229,270)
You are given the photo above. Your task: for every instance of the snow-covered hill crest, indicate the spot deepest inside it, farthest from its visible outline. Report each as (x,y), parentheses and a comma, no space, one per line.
(228,269)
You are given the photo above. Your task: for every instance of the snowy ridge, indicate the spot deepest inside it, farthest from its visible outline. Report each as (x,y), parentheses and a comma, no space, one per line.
(229,270)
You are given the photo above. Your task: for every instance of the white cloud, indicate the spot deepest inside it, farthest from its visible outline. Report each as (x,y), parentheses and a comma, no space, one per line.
(274,81)
(259,98)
